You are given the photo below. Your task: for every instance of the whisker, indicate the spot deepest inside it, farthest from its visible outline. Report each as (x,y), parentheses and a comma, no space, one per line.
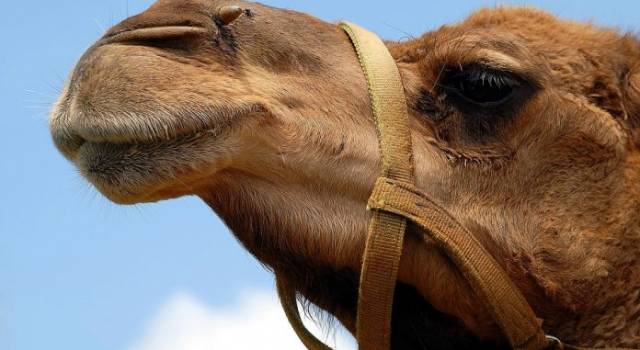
(100,26)
(38,108)
(57,88)
(407,34)
(38,102)
(34,92)
(141,212)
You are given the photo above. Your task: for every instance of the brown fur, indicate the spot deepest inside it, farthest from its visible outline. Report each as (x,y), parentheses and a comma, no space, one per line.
(268,120)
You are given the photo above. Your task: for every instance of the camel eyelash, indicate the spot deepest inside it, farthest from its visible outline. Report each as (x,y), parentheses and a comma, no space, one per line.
(491,78)
(479,86)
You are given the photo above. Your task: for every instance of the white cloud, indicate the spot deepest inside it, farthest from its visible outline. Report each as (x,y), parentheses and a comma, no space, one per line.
(256,321)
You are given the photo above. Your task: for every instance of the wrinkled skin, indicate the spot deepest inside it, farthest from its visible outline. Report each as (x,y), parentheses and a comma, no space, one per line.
(267,119)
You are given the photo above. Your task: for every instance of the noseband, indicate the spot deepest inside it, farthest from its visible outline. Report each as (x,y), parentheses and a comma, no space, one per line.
(394,202)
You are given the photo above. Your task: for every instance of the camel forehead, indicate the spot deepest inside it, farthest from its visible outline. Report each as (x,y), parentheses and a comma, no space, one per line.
(541,30)
(524,19)
(531,42)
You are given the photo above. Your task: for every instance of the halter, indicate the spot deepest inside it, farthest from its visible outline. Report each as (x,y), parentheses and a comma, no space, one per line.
(394,202)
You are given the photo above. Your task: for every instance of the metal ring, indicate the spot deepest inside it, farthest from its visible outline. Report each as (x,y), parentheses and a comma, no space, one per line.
(554,343)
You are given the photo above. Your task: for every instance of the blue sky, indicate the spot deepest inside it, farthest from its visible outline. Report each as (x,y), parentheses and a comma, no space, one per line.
(77,272)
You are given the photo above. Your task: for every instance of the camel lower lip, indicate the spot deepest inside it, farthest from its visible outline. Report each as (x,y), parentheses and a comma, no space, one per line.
(143,148)
(73,146)
(131,173)
(105,160)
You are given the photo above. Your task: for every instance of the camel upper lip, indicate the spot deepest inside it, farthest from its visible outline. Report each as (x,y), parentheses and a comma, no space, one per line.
(70,137)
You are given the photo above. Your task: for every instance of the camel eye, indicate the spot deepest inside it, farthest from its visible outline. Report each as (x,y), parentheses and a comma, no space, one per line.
(480,86)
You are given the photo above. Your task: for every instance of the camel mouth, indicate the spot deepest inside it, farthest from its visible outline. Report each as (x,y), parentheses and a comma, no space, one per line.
(71,140)
(71,131)
(90,156)
(136,170)
(136,162)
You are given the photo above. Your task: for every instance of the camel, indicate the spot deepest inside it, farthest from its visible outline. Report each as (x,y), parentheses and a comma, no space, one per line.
(525,128)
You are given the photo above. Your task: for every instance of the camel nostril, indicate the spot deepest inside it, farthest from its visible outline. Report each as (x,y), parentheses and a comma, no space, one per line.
(163,30)
(171,36)
(158,20)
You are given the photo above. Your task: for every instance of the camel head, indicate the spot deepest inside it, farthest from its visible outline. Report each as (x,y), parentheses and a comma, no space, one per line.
(525,128)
